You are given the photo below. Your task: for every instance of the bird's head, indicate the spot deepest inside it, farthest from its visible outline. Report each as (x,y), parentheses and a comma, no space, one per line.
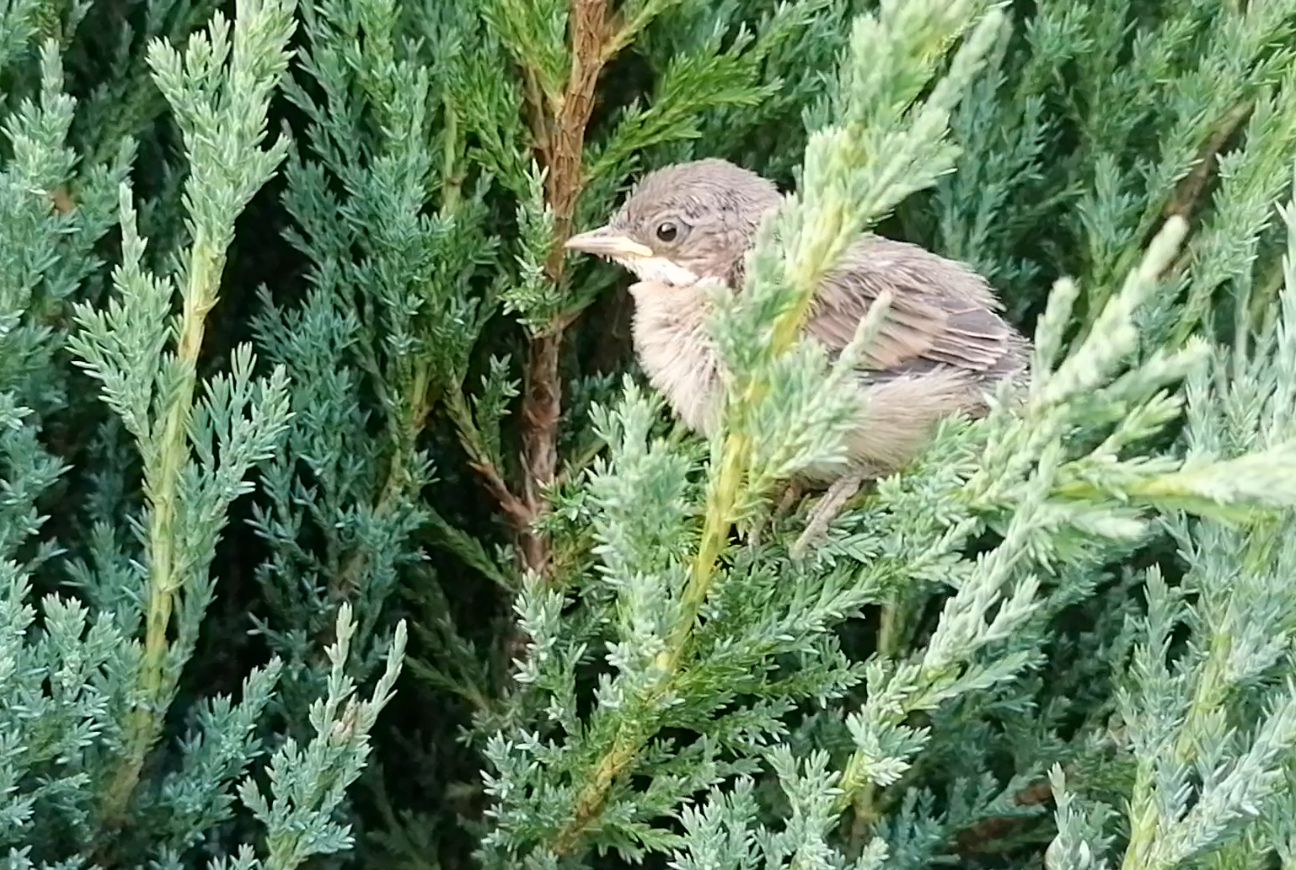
(684,223)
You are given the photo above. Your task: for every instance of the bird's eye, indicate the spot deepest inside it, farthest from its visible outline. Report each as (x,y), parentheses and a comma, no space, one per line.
(667,231)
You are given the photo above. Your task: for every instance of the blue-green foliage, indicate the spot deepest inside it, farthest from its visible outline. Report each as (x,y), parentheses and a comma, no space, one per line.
(91,673)
(283,300)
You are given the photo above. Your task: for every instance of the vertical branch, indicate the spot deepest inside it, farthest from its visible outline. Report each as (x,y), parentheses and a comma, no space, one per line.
(559,133)
(144,722)
(219,89)
(414,402)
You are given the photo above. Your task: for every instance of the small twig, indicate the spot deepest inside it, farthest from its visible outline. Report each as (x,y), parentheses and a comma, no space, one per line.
(1188,193)
(594,795)
(539,110)
(343,585)
(1184,202)
(511,505)
(480,461)
(581,461)
(863,808)
(987,829)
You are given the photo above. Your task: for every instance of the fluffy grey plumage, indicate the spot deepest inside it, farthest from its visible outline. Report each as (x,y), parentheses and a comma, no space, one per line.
(942,349)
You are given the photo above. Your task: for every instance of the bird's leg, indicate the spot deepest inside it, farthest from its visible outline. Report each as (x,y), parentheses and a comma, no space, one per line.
(827,509)
(792,492)
(787,496)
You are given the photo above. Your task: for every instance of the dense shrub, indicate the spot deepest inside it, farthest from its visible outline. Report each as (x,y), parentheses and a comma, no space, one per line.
(292,359)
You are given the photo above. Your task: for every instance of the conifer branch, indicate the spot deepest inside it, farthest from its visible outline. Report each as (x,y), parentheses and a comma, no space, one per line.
(416,385)
(631,737)
(559,131)
(396,485)
(220,91)
(863,806)
(1188,195)
(479,459)
(397,482)
(974,839)
(144,723)
(668,672)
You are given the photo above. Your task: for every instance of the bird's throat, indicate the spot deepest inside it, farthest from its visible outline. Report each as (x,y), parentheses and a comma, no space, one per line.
(659,270)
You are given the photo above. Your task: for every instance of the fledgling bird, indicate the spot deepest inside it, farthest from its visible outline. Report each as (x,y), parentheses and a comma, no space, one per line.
(943,347)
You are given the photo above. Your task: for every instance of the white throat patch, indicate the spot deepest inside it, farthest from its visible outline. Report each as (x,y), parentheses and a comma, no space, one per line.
(659,270)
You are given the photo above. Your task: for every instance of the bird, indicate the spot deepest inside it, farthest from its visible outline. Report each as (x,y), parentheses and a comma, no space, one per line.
(944,346)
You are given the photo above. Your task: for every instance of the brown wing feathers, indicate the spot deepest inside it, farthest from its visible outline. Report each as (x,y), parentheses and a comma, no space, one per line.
(941,314)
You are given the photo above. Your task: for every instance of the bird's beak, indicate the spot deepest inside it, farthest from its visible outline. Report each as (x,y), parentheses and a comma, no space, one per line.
(606,243)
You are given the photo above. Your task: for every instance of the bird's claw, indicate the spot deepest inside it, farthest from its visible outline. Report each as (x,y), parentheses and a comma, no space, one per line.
(840,492)
(792,492)
(788,495)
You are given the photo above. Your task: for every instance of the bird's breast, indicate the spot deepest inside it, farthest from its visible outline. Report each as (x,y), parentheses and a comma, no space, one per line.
(675,351)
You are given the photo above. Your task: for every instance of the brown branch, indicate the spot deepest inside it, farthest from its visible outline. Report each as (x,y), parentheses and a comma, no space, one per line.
(971,839)
(559,132)
(1183,200)
(1188,193)
(481,461)
(558,129)
(514,508)
(536,105)
(62,199)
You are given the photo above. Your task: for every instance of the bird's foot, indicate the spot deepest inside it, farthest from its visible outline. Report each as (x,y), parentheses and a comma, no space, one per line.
(792,492)
(787,496)
(827,509)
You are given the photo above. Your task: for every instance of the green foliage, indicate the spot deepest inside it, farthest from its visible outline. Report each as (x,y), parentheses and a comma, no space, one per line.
(1072,477)
(89,683)
(273,407)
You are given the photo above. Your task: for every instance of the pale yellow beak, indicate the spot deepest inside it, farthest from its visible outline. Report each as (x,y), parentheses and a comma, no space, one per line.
(606,243)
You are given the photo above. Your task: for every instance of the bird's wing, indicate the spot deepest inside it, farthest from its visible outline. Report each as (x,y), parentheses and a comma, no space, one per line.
(941,314)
